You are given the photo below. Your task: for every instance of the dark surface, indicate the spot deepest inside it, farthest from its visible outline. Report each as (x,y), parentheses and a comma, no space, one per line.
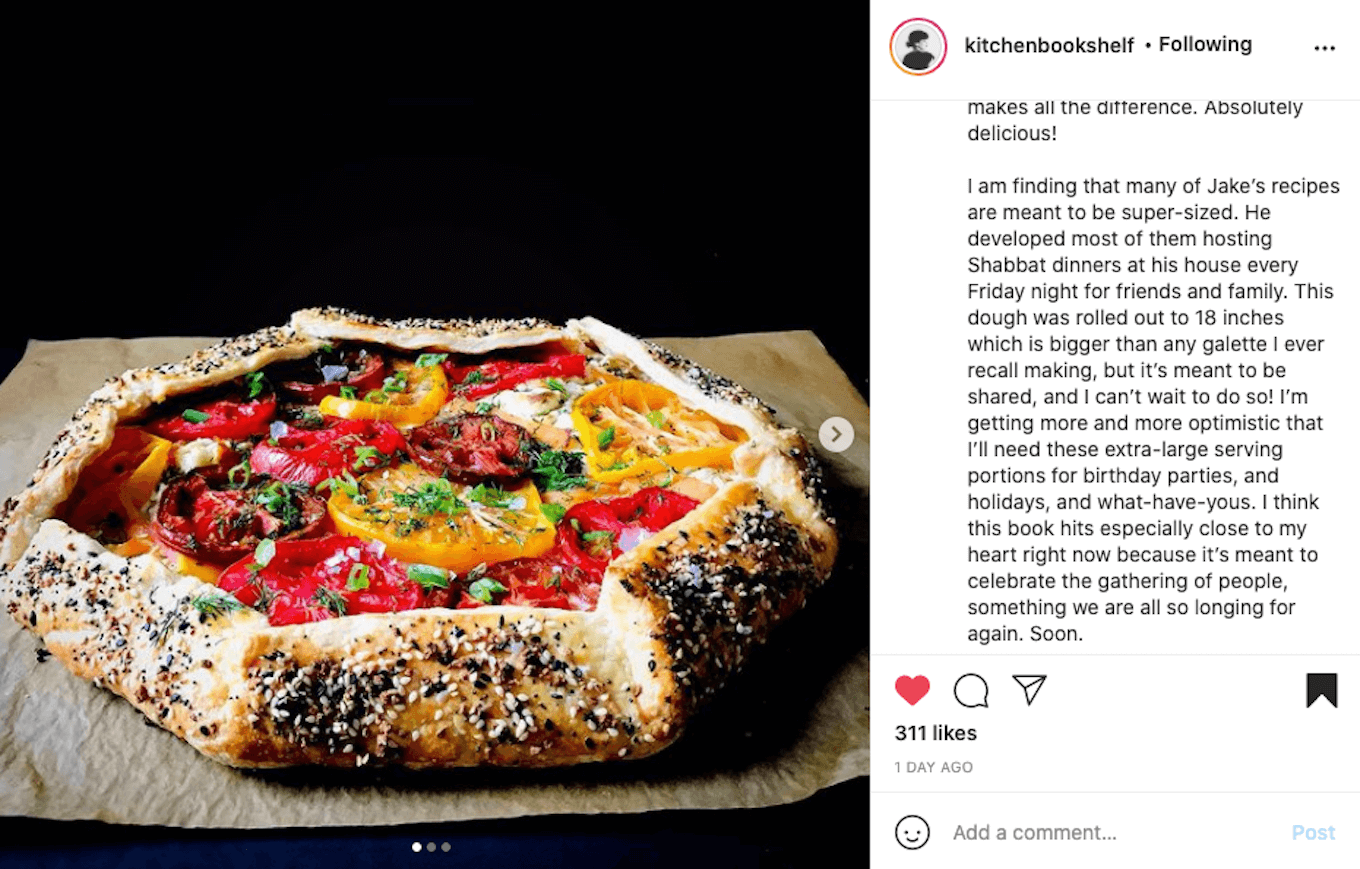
(791,835)
(700,211)
(703,217)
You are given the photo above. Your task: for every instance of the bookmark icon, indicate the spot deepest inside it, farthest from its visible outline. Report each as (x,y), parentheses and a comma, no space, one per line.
(1031,686)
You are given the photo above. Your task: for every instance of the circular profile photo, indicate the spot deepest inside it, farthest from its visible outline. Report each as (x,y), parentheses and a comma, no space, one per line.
(918,46)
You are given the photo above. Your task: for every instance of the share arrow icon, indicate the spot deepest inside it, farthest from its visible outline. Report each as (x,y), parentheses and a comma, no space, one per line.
(1031,686)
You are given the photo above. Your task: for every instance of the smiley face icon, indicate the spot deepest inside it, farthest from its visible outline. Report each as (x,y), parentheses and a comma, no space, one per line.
(912,832)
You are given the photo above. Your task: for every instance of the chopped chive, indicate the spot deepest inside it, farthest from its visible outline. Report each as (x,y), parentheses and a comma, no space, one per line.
(482,589)
(256,383)
(358,578)
(428,576)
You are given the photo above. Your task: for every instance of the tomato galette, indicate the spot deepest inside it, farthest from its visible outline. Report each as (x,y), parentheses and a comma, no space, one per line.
(428,543)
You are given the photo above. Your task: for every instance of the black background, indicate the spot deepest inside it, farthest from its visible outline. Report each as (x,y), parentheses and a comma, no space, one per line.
(700,210)
(703,214)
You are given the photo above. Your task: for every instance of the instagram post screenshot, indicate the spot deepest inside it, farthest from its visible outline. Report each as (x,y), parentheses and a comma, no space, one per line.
(415,481)
(1113,289)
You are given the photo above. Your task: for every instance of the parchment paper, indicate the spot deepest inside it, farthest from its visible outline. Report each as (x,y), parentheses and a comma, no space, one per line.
(796,721)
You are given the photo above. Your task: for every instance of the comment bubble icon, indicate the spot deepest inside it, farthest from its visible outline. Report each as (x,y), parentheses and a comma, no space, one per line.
(971,691)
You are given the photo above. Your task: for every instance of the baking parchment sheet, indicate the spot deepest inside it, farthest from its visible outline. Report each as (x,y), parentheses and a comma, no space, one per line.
(795,721)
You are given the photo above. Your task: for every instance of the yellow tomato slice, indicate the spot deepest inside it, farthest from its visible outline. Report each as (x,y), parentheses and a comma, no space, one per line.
(422,392)
(425,519)
(181,563)
(629,429)
(120,481)
(133,546)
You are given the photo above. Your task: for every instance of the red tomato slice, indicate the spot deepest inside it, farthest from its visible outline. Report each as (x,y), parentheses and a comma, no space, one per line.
(219,526)
(471,445)
(311,457)
(542,582)
(590,535)
(365,370)
(226,419)
(475,381)
(318,579)
(594,533)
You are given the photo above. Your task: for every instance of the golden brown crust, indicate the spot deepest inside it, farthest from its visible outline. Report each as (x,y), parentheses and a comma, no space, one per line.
(497,685)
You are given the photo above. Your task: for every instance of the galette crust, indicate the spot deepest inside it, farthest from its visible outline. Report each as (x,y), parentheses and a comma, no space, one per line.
(508,685)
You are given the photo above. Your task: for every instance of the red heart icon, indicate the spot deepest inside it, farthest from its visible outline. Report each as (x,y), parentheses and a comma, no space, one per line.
(912,688)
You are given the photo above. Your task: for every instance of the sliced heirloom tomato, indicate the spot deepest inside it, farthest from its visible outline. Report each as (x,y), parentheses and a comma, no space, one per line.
(328,373)
(412,395)
(225,419)
(472,445)
(218,526)
(325,577)
(590,535)
(309,457)
(594,533)
(113,489)
(631,429)
(428,520)
(475,381)
(542,582)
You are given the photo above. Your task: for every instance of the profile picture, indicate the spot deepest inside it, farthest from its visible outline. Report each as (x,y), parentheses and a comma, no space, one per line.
(918,46)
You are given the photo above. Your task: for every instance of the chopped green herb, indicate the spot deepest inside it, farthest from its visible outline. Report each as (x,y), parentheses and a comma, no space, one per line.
(490,496)
(213,605)
(605,438)
(657,419)
(376,396)
(428,576)
(195,416)
(278,500)
(327,348)
(553,512)
(395,383)
(330,599)
(429,360)
(358,578)
(556,470)
(429,498)
(366,457)
(474,376)
(346,484)
(255,383)
(554,383)
(482,589)
(348,392)
(264,594)
(264,553)
(239,475)
(598,543)
(485,407)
